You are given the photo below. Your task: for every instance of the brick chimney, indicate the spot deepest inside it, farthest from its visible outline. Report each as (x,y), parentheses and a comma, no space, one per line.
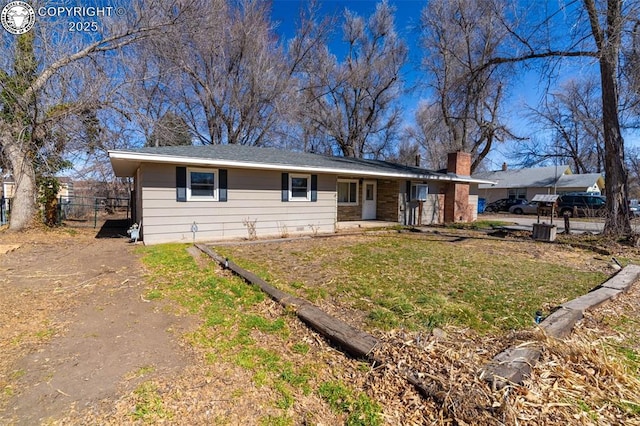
(504,167)
(459,163)
(456,201)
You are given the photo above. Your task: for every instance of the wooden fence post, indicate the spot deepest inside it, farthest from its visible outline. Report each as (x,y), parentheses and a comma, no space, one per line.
(567,225)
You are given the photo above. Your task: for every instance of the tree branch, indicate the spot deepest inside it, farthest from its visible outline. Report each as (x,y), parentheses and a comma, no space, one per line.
(99,46)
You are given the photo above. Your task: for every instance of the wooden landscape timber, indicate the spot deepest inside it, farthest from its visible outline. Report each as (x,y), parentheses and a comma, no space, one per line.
(353,341)
(513,365)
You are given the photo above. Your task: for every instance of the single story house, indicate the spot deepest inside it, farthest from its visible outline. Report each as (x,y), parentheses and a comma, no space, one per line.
(8,188)
(592,183)
(526,183)
(219,191)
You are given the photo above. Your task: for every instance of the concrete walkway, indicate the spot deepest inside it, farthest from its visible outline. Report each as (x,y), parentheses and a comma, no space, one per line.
(361,224)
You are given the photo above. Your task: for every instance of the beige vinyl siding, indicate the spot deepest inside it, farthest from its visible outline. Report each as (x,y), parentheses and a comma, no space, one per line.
(138,187)
(252,194)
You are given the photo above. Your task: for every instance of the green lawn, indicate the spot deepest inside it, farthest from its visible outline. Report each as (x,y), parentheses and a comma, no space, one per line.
(237,328)
(424,281)
(381,281)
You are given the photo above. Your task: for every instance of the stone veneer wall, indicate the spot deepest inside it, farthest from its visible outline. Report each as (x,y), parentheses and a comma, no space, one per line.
(349,212)
(346,213)
(387,207)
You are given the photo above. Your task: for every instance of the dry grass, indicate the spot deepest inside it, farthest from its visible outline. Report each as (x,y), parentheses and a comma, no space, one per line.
(592,378)
(576,382)
(421,281)
(583,380)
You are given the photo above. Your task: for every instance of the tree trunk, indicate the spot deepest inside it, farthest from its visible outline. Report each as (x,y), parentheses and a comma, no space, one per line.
(348,149)
(608,42)
(617,222)
(23,204)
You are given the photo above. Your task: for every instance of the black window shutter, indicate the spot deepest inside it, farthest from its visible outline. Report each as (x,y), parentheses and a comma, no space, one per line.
(408,190)
(285,187)
(181,184)
(222,187)
(314,187)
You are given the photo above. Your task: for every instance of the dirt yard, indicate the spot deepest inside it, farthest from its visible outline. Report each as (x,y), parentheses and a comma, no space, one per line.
(74,326)
(78,337)
(81,344)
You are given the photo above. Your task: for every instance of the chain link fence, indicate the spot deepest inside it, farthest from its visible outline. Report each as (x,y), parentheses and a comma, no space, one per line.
(92,211)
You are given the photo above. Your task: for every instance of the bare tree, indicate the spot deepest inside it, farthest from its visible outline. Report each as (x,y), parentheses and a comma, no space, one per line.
(297,130)
(572,117)
(595,30)
(148,92)
(353,101)
(631,64)
(229,74)
(407,153)
(606,29)
(465,112)
(51,77)
(431,136)
(633,161)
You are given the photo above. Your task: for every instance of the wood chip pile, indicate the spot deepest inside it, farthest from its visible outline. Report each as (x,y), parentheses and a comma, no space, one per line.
(574,383)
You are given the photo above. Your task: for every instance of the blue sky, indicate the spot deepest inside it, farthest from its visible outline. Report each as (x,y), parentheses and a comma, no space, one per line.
(525,90)
(407,18)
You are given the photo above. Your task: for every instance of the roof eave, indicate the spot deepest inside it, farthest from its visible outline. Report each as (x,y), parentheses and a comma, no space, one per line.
(125,163)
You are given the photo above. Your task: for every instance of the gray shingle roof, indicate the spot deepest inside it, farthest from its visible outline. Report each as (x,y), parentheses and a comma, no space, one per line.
(584,180)
(535,177)
(538,177)
(250,156)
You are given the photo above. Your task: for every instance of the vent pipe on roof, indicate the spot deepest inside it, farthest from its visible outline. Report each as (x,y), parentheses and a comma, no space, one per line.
(504,167)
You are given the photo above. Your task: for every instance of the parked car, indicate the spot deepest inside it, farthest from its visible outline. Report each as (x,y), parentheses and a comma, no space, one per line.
(582,204)
(634,208)
(529,208)
(503,204)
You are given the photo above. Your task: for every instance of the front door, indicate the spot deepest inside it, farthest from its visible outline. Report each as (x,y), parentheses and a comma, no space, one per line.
(369,200)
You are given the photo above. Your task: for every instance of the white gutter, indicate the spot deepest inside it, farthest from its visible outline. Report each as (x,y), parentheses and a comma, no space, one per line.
(158,158)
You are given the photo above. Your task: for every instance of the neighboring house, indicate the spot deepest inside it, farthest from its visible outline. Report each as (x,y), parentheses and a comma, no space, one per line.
(593,183)
(525,183)
(8,187)
(98,189)
(8,191)
(219,190)
(65,192)
(66,189)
